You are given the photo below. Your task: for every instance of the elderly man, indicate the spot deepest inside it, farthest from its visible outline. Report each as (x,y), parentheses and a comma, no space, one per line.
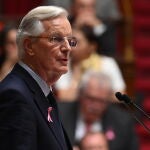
(93,113)
(94,141)
(29,118)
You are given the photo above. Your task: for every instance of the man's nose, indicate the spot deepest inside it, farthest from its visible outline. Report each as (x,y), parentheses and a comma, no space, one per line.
(66,46)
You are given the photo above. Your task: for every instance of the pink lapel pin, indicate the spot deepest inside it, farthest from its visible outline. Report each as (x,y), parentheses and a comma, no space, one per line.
(49,118)
(110,135)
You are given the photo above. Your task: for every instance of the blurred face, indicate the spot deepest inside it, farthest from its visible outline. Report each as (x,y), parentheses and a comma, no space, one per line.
(84,6)
(83,48)
(47,55)
(95,142)
(94,101)
(11,46)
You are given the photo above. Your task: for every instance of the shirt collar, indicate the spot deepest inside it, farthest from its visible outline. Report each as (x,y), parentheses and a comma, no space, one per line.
(43,85)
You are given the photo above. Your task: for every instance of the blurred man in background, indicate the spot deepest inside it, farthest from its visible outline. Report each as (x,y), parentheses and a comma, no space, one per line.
(94,141)
(93,112)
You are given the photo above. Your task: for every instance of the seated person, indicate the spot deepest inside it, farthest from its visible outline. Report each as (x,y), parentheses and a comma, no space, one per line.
(94,141)
(92,111)
(9,50)
(83,12)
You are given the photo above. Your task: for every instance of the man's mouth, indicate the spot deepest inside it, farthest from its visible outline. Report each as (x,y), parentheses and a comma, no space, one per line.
(64,61)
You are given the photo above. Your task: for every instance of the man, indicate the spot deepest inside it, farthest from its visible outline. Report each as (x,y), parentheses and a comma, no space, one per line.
(94,141)
(92,112)
(29,118)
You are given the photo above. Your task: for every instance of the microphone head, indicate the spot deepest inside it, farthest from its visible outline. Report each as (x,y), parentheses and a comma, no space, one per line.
(119,96)
(122,97)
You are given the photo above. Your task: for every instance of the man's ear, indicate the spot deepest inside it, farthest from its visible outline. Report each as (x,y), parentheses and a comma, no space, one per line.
(28,46)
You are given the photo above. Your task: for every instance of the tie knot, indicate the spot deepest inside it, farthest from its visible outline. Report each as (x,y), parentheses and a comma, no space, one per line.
(51,100)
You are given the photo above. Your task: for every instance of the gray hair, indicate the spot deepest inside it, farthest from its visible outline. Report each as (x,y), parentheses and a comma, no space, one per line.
(103,80)
(31,23)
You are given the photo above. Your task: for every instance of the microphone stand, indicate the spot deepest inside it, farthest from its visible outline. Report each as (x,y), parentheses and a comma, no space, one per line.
(130,104)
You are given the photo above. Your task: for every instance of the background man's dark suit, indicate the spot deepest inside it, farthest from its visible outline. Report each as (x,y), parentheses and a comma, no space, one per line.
(23,116)
(114,120)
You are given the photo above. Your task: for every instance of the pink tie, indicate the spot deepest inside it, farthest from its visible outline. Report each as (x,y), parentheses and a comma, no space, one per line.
(49,114)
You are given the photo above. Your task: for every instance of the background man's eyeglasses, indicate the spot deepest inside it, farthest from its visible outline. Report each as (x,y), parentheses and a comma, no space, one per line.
(60,40)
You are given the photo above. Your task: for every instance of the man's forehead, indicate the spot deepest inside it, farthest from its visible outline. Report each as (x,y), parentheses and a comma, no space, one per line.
(55,20)
(57,26)
(86,2)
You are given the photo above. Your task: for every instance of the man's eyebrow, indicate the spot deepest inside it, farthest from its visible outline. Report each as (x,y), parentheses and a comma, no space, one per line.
(55,33)
(58,33)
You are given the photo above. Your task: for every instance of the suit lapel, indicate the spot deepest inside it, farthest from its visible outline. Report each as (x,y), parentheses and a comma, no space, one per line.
(43,107)
(39,98)
(57,124)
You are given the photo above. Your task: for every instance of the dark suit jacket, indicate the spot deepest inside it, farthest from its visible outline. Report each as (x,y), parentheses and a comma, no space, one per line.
(115,121)
(23,116)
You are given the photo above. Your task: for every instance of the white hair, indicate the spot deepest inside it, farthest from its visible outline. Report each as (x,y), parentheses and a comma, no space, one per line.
(103,80)
(31,24)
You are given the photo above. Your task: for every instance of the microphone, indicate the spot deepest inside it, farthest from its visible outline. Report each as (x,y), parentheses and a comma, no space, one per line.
(131,105)
(123,97)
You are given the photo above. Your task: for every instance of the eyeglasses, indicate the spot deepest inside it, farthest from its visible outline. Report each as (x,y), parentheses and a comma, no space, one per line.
(58,40)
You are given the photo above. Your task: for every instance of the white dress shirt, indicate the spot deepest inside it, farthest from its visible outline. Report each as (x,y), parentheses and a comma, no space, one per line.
(43,85)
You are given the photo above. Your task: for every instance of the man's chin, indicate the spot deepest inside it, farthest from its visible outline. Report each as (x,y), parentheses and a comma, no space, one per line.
(64,71)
